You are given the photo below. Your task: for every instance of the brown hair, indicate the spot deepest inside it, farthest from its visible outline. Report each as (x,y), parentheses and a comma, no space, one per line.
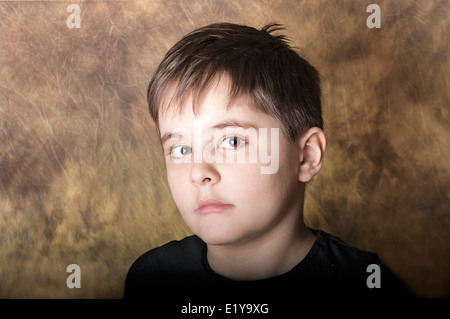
(259,65)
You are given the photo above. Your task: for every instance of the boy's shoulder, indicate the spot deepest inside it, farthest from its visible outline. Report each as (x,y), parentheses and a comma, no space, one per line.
(158,264)
(345,265)
(329,248)
(165,265)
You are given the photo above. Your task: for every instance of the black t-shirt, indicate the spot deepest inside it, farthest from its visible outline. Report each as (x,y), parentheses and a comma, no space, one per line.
(332,268)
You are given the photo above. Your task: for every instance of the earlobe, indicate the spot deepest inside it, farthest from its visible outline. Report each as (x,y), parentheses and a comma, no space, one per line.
(312,149)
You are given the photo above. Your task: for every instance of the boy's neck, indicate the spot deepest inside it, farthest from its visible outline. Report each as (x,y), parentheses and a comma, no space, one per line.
(269,255)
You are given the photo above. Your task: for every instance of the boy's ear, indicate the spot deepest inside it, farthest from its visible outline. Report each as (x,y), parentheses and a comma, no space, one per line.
(312,149)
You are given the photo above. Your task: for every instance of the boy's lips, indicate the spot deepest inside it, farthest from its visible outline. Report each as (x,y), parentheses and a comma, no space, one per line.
(211,206)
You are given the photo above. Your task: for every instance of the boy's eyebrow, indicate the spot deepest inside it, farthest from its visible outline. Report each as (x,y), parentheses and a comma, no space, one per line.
(229,123)
(165,137)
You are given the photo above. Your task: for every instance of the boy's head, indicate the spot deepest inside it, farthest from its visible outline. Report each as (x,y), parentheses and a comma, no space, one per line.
(236,87)
(259,65)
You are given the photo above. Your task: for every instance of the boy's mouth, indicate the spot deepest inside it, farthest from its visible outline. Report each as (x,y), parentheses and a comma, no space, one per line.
(211,206)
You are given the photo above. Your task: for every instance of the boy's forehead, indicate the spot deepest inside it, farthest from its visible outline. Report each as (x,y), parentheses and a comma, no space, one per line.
(209,115)
(215,102)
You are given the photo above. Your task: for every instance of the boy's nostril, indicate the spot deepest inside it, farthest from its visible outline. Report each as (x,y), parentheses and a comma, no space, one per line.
(207,179)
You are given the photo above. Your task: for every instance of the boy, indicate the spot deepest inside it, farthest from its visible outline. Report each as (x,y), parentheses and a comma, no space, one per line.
(224,98)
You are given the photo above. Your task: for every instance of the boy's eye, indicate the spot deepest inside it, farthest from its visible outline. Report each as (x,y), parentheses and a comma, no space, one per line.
(232,142)
(180,151)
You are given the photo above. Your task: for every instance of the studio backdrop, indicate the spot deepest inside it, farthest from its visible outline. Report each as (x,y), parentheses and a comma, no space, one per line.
(83,189)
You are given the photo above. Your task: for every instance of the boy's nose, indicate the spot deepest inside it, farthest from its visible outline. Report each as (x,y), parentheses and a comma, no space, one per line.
(203,174)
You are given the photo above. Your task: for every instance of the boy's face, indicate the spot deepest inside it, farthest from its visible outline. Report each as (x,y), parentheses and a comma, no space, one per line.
(215,167)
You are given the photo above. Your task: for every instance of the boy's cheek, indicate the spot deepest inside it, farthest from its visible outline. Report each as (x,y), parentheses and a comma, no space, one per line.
(178,181)
(177,167)
(176,173)
(180,195)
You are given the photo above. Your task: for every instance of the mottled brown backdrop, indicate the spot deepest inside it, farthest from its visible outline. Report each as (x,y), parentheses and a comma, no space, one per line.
(81,173)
